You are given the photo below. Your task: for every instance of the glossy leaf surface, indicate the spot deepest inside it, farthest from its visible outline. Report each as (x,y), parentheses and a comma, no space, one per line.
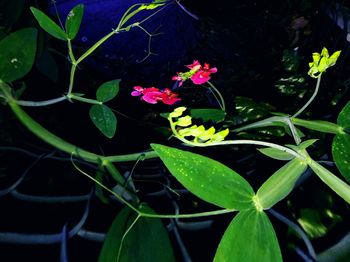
(73,21)
(48,24)
(104,119)
(207,178)
(17,53)
(281,183)
(146,240)
(250,238)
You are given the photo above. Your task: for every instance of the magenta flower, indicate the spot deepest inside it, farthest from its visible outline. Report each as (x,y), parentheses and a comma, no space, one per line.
(152,95)
(198,74)
(203,74)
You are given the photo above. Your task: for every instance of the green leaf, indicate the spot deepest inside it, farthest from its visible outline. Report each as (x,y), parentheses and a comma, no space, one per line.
(336,184)
(48,25)
(344,116)
(108,90)
(10,12)
(249,110)
(147,239)
(104,119)
(341,144)
(310,220)
(73,21)
(318,125)
(17,53)
(215,115)
(250,238)
(47,65)
(303,145)
(276,153)
(281,183)
(206,178)
(341,154)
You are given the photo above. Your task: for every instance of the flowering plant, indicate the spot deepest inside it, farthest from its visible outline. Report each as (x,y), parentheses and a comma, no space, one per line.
(137,227)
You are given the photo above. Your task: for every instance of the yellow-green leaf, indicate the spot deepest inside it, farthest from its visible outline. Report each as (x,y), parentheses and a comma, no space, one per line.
(206,178)
(281,183)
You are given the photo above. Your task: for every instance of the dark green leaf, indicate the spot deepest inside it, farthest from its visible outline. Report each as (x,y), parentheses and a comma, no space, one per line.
(310,221)
(341,143)
(207,178)
(73,21)
(11,10)
(215,115)
(147,240)
(281,183)
(276,153)
(47,65)
(17,53)
(344,116)
(48,25)
(108,90)
(250,238)
(249,110)
(104,119)
(341,154)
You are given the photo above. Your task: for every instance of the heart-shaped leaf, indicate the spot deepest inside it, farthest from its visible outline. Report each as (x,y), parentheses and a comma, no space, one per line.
(206,178)
(146,240)
(250,238)
(104,119)
(73,21)
(48,24)
(17,53)
(108,90)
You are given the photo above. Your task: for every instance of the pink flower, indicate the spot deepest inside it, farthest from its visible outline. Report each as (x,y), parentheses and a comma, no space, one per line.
(198,74)
(195,66)
(203,75)
(152,95)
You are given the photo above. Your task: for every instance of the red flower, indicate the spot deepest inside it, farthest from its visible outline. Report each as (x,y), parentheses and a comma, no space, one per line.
(152,95)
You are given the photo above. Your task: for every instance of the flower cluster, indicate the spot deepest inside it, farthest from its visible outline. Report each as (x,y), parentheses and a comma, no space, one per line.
(152,95)
(321,62)
(198,74)
(199,133)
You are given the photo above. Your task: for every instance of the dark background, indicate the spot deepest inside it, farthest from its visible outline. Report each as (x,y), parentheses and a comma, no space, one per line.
(245,40)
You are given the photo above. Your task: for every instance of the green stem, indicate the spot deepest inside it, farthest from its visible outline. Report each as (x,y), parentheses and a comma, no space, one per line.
(311,98)
(124,235)
(64,146)
(201,214)
(41,103)
(71,78)
(222,103)
(95,46)
(233,142)
(70,51)
(152,215)
(83,99)
(124,19)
